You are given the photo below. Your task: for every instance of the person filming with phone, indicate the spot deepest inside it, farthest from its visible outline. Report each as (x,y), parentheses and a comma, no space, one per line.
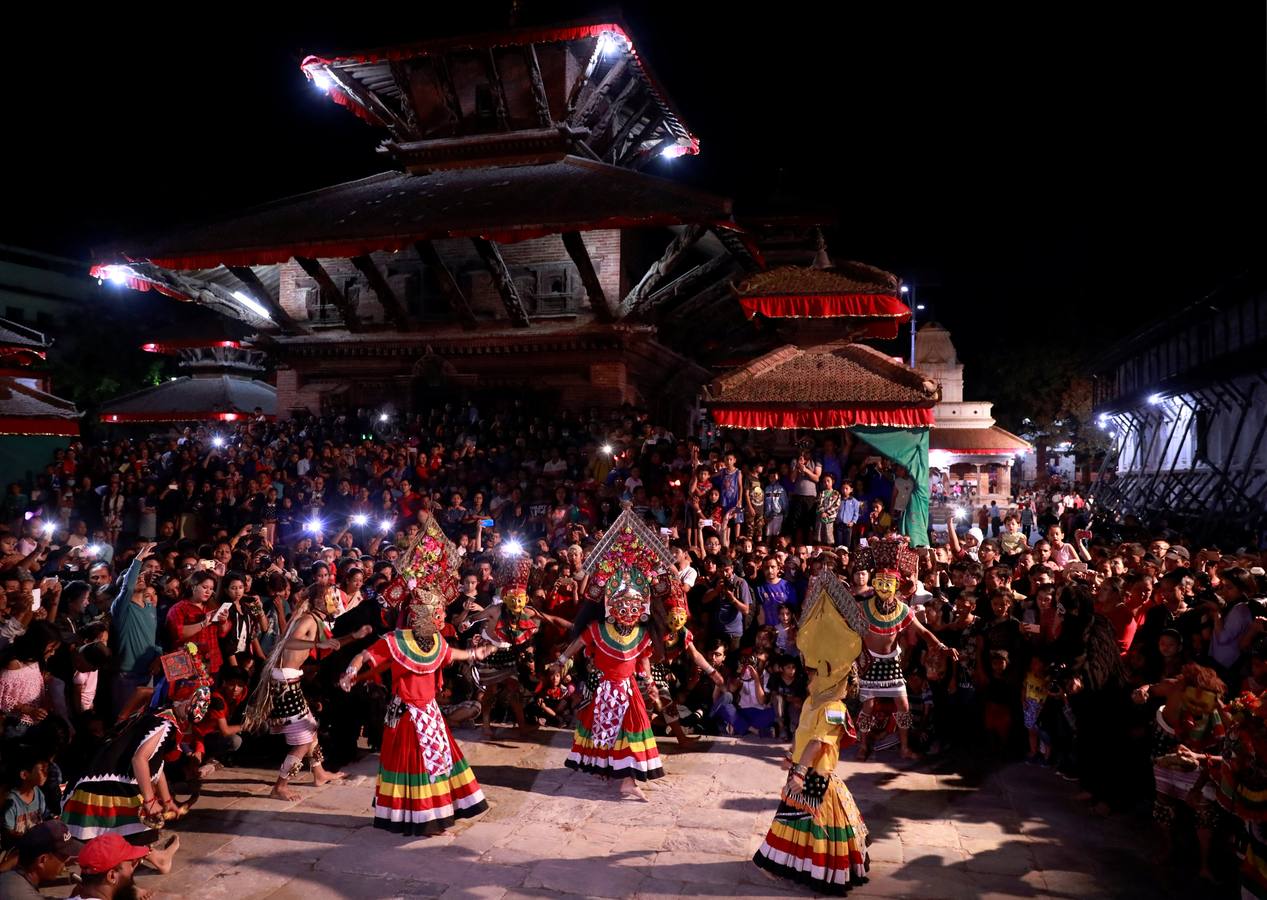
(198,618)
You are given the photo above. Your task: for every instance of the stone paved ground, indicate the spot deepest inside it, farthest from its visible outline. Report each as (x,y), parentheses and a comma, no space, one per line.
(1016,832)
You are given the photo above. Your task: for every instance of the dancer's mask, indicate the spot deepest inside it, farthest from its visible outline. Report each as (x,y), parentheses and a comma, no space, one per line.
(627,607)
(426,613)
(515,599)
(885,585)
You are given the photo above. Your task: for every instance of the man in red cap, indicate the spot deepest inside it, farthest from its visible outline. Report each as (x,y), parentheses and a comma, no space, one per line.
(43,852)
(107,864)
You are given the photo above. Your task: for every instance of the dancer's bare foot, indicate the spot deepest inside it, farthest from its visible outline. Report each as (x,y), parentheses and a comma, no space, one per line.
(161,860)
(281,791)
(629,790)
(320,776)
(863,752)
(908,753)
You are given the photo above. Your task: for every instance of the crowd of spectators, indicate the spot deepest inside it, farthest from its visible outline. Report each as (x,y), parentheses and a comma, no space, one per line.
(1075,644)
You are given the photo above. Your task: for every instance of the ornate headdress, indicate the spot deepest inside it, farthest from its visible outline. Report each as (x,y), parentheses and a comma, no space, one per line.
(514,584)
(431,562)
(887,555)
(623,564)
(828,642)
(195,689)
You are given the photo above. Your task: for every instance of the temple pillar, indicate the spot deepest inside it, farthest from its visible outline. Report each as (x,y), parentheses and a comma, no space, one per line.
(1005,480)
(982,478)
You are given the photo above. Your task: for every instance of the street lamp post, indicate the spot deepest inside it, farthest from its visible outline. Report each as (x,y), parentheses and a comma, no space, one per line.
(909,289)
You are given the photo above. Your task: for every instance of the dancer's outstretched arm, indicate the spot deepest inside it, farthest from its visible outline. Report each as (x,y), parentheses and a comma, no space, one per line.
(573,649)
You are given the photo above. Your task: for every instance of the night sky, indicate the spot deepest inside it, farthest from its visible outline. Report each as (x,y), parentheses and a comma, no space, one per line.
(1046,179)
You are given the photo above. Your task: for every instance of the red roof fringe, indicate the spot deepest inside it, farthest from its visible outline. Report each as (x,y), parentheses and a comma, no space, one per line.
(819,418)
(823,306)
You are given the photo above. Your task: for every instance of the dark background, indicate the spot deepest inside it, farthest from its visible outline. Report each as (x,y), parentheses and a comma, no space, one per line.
(1049,178)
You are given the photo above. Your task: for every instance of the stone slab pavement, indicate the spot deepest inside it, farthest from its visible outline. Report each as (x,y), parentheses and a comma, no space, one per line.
(1013,832)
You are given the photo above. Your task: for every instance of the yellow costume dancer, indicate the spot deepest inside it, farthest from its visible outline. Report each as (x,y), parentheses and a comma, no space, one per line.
(818,836)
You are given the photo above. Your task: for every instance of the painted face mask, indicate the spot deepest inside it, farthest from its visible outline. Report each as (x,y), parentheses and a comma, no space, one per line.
(199,703)
(677,619)
(626,608)
(885,585)
(515,600)
(1199,702)
(426,614)
(328,604)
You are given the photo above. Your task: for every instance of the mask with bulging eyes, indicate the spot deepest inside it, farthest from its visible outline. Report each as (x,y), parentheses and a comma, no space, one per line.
(515,600)
(627,608)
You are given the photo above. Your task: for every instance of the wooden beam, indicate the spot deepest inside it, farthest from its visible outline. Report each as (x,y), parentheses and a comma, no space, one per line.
(538,86)
(255,288)
(392,305)
(499,91)
(680,286)
(576,249)
(605,118)
(634,150)
(604,87)
(444,78)
(661,267)
(505,284)
(401,77)
(574,95)
(630,123)
(317,273)
(372,101)
(448,284)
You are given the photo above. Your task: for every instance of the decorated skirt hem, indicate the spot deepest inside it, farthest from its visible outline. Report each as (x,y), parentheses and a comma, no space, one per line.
(419,828)
(835,889)
(607,771)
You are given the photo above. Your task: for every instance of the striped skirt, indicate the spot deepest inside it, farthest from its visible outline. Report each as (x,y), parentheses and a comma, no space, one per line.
(423,779)
(104,806)
(613,735)
(826,850)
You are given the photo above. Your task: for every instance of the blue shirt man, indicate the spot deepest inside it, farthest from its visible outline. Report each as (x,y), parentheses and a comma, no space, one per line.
(773,592)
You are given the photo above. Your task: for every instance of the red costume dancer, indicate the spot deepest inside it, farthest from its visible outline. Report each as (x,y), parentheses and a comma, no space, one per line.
(424,783)
(613,734)
(678,643)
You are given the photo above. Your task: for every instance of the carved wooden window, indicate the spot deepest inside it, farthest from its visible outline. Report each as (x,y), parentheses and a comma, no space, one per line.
(557,288)
(321,308)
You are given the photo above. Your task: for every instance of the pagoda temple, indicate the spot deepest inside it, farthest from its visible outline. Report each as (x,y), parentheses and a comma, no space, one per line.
(221,386)
(967,447)
(33,422)
(515,221)
(820,378)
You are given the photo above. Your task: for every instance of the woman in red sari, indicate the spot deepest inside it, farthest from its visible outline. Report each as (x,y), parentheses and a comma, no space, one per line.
(424,782)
